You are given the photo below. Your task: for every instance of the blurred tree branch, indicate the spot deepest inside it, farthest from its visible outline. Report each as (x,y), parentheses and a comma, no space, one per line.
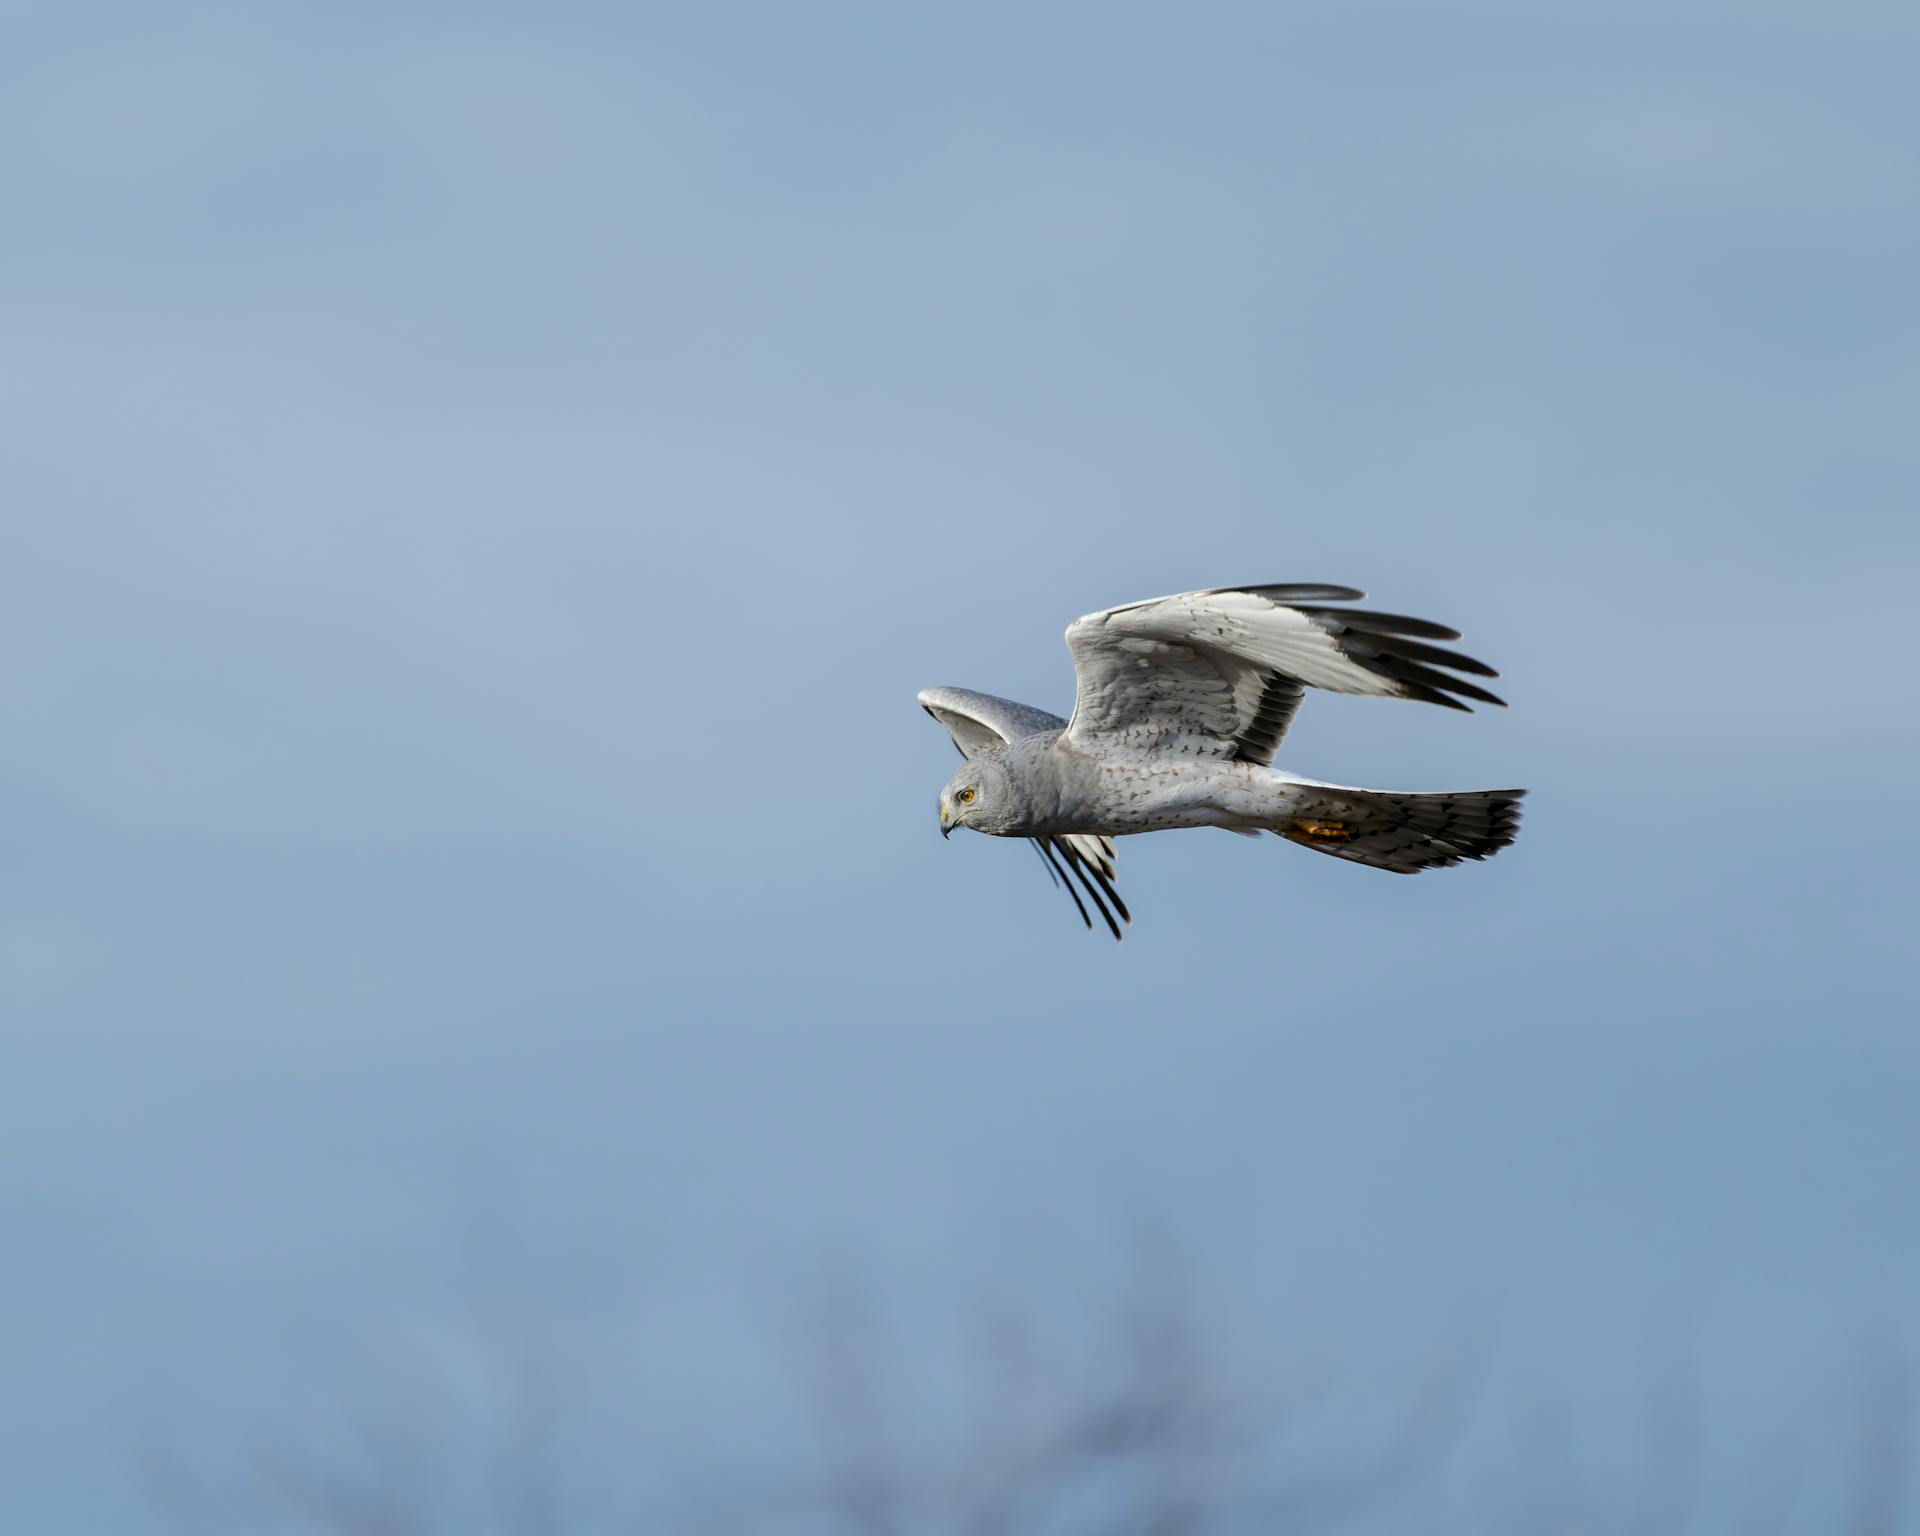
(1135,1423)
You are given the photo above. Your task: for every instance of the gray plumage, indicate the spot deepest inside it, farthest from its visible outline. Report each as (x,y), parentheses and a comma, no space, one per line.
(1182,703)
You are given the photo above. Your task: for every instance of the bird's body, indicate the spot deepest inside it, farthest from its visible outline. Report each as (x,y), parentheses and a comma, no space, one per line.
(1182,702)
(1059,789)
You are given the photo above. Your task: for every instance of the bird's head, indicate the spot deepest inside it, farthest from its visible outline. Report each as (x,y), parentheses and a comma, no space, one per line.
(978,796)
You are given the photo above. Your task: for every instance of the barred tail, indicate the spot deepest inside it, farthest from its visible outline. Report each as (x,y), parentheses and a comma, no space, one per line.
(1400,832)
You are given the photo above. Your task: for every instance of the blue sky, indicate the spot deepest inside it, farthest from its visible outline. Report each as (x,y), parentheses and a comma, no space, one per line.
(482,489)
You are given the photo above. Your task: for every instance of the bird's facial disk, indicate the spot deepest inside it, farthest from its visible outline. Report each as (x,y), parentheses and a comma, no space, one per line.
(956,800)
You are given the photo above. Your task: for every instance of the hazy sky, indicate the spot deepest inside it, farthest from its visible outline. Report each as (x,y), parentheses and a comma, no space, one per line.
(479,491)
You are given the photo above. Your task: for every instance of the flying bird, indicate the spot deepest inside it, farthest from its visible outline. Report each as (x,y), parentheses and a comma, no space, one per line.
(1181,703)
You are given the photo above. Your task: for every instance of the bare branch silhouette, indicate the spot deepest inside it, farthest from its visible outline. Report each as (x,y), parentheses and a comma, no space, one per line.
(1133,1422)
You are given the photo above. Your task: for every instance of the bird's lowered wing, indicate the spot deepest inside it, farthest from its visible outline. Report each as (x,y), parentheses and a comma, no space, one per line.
(979,721)
(1220,673)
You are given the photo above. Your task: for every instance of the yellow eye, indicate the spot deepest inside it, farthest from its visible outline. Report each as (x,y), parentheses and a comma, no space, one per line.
(965,797)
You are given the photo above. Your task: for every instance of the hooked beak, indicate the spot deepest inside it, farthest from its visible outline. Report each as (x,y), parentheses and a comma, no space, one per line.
(946,821)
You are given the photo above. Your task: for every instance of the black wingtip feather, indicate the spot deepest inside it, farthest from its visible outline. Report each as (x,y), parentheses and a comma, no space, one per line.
(1302,592)
(1047,853)
(1112,926)
(1045,862)
(1434,656)
(1380,643)
(1412,673)
(1065,862)
(1106,885)
(1385,623)
(1428,695)
(1079,866)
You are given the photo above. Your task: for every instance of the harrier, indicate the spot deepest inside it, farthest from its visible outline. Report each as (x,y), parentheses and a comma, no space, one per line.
(1181,703)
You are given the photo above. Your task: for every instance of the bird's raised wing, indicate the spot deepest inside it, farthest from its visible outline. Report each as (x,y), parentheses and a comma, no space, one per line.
(1220,673)
(979,721)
